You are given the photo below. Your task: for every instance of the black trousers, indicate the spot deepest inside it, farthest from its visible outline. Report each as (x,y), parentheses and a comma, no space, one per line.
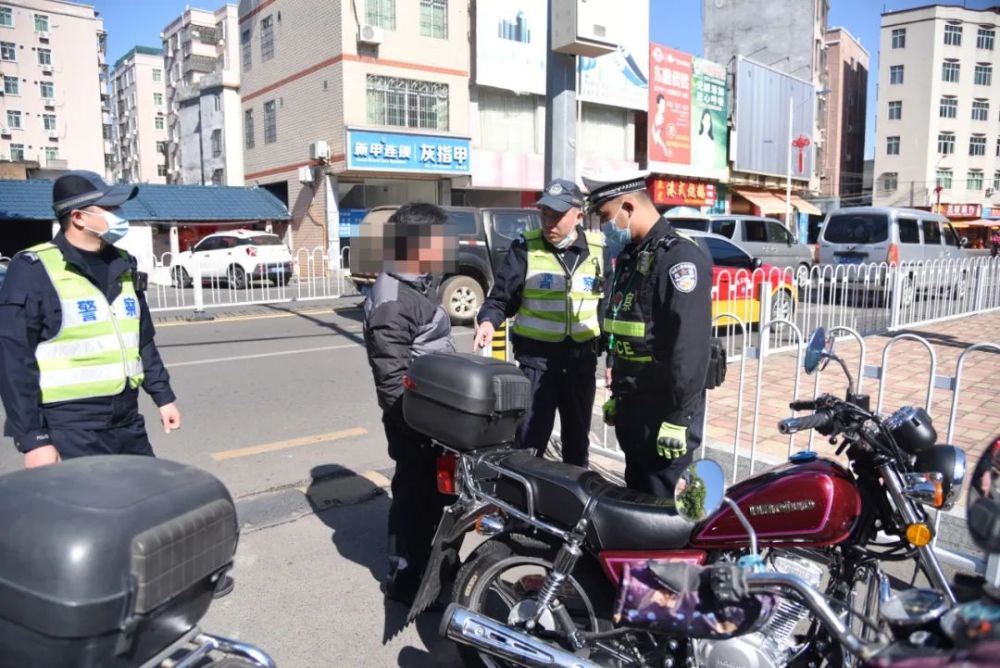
(127,439)
(416,505)
(568,387)
(637,424)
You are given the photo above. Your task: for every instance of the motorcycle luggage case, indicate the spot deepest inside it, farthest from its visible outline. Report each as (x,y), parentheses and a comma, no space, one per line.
(105,561)
(465,401)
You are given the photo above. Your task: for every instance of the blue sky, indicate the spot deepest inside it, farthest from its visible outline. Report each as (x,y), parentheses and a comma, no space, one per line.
(675,23)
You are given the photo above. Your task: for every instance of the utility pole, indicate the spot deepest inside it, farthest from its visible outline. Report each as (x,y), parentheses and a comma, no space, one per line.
(912,201)
(560,110)
(788,180)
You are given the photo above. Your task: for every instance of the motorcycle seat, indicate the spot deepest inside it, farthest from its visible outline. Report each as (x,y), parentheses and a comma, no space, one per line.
(622,519)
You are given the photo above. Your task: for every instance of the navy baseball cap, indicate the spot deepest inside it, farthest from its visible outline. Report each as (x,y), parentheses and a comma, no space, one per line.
(561,195)
(80,188)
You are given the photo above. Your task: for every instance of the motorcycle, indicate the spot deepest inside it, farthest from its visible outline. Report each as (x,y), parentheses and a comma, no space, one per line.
(715,605)
(111,562)
(559,537)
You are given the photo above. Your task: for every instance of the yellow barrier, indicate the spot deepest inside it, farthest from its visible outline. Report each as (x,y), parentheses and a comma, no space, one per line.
(499,345)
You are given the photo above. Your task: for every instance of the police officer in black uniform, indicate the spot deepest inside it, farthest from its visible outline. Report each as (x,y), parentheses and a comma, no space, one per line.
(658,326)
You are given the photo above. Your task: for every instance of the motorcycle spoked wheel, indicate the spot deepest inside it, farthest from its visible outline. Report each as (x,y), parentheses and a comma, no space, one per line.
(501,579)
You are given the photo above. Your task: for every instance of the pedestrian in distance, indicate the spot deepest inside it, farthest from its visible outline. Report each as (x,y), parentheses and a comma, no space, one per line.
(552,283)
(995,242)
(658,325)
(76,337)
(404,320)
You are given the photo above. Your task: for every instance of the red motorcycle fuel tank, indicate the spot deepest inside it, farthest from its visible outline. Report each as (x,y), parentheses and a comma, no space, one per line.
(809,502)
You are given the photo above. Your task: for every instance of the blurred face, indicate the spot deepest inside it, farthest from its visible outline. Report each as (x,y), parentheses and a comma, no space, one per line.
(557,226)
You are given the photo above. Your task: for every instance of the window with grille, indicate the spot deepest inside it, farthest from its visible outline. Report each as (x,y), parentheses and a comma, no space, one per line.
(11,86)
(895,110)
(44,56)
(48,89)
(975,181)
(949,107)
(944,178)
(51,154)
(246,49)
(980,110)
(984,74)
(953,35)
(950,71)
(17,152)
(977,145)
(6,17)
(434,18)
(13,119)
(8,51)
(159,123)
(896,74)
(899,38)
(985,39)
(946,143)
(216,143)
(157,74)
(158,99)
(49,122)
(41,23)
(161,170)
(996,181)
(270,122)
(605,132)
(890,181)
(266,38)
(507,122)
(381,13)
(248,131)
(892,145)
(161,147)
(407,103)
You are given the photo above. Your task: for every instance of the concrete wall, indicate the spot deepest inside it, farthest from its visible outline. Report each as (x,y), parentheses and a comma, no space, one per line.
(76,62)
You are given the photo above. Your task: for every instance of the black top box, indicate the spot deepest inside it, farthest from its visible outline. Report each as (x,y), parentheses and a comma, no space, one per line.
(105,561)
(465,401)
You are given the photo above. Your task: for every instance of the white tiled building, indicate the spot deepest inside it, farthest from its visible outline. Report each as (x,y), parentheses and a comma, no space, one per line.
(139,99)
(51,60)
(938,105)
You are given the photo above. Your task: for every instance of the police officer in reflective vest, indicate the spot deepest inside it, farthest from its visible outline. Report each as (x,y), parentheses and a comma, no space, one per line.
(658,325)
(551,282)
(76,338)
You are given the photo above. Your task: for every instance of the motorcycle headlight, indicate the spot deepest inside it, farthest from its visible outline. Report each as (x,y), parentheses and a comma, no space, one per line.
(949,461)
(913,429)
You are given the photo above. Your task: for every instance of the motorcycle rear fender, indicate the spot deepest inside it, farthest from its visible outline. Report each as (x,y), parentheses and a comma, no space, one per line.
(456,521)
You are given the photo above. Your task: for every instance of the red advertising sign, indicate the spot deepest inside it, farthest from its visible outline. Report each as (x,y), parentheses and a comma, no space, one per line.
(962,210)
(682,192)
(670,80)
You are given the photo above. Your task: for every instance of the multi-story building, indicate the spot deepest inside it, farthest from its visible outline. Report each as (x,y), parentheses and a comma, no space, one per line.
(847,62)
(139,98)
(786,35)
(936,131)
(204,112)
(52,55)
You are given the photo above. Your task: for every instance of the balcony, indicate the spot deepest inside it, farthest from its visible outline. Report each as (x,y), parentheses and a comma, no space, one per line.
(203,64)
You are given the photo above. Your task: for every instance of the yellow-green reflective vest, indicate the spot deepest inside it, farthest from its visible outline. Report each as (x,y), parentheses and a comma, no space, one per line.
(556,304)
(96,351)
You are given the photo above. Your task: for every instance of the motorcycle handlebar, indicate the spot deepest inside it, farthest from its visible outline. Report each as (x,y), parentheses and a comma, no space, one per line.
(815,421)
(802,405)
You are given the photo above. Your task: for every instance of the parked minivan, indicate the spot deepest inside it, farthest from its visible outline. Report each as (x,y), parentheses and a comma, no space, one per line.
(763,238)
(862,235)
(484,238)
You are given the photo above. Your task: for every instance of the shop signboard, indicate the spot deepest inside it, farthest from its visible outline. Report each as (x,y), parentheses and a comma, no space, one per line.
(620,78)
(688,111)
(510,44)
(350,219)
(682,192)
(400,152)
(962,210)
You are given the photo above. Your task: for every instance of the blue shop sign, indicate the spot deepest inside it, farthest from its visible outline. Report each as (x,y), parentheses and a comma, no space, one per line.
(349,221)
(402,152)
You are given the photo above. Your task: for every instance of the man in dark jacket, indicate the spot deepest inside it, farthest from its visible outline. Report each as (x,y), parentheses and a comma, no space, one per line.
(403,320)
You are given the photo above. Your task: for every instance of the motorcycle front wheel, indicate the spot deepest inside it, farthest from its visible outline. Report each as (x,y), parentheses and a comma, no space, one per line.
(502,579)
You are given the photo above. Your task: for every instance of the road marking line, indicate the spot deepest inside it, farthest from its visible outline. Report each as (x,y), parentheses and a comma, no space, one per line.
(291,443)
(242,318)
(377,479)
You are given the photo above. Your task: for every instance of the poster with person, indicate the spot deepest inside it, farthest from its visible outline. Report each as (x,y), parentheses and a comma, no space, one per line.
(708,110)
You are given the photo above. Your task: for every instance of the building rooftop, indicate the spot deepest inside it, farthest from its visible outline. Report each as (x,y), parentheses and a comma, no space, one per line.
(142,50)
(995,9)
(32,200)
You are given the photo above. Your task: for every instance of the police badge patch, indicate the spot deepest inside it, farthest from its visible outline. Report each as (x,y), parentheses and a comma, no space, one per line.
(684,276)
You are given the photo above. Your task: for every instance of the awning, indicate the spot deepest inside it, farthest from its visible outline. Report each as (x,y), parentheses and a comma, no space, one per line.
(976,223)
(768,204)
(803,206)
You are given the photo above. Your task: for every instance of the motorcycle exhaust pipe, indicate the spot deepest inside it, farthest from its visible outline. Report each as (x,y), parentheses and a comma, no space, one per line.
(497,639)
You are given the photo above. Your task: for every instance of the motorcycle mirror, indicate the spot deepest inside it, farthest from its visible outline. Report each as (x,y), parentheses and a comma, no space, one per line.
(815,351)
(700,489)
(983,501)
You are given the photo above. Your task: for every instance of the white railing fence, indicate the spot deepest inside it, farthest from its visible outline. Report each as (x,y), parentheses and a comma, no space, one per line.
(199,282)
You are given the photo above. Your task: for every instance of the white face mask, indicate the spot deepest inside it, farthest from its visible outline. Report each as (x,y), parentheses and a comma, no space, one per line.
(565,242)
(117,227)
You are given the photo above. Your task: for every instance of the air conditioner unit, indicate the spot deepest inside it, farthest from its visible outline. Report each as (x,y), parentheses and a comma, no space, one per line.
(305,175)
(4,130)
(53,134)
(49,102)
(46,69)
(370,34)
(43,34)
(319,150)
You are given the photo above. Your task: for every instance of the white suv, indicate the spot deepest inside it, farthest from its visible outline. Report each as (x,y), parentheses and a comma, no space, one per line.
(237,257)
